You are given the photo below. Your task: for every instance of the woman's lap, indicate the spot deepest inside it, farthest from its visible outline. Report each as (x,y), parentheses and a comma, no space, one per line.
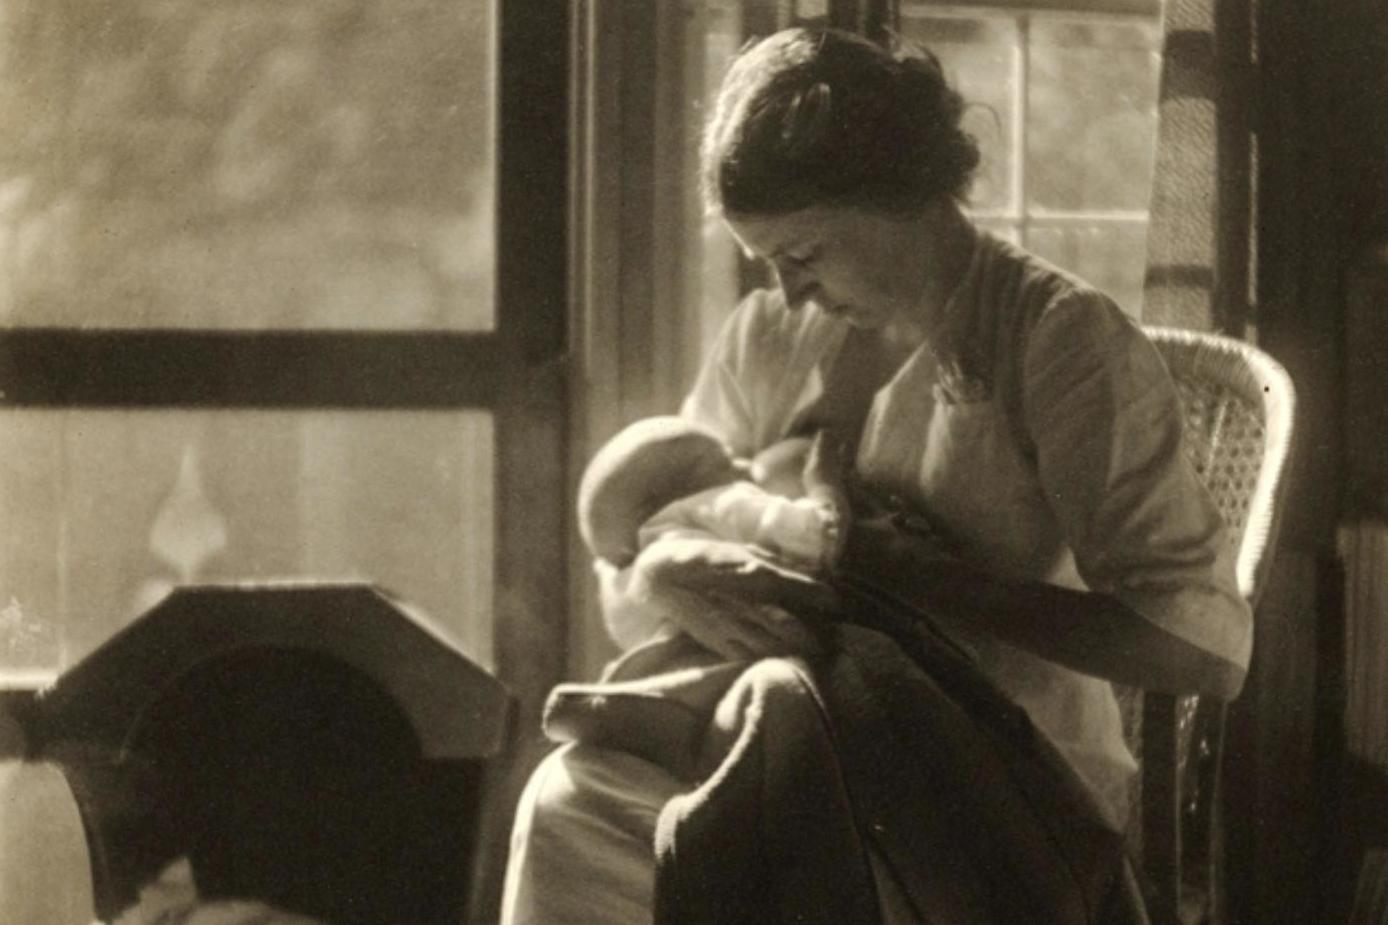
(582,844)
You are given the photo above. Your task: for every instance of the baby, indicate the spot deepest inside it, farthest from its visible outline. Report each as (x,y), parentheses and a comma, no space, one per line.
(663,480)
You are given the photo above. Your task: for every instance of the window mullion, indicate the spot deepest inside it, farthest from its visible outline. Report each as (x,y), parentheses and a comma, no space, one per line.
(52,367)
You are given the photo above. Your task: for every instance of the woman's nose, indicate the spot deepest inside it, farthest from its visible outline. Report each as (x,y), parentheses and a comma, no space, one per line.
(797,285)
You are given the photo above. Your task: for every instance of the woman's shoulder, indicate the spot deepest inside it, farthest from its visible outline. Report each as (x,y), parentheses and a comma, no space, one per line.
(1024,303)
(1026,286)
(1068,335)
(1036,323)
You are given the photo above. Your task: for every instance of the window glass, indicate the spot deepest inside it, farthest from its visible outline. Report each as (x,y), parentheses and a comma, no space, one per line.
(1112,255)
(1064,106)
(247,164)
(1091,104)
(982,56)
(105,511)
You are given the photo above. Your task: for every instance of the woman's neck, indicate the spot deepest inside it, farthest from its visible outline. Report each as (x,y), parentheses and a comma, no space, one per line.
(945,241)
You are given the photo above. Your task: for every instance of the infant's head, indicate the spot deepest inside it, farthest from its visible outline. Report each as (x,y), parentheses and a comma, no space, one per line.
(646,466)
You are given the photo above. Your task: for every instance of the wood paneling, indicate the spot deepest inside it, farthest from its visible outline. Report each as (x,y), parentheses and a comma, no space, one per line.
(1319,117)
(1366,385)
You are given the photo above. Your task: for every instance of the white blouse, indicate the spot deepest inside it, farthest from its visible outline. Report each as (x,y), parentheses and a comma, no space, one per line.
(1046,443)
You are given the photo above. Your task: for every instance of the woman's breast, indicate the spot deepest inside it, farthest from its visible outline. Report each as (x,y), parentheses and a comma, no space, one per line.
(961,463)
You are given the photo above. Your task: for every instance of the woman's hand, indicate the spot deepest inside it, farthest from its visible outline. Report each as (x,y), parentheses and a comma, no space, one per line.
(879,535)
(827,467)
(730,600)
(885,541)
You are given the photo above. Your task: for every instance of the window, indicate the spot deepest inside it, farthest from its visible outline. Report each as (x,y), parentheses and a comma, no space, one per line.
(256,320)
(107,509)
(248,166)
(1064,105)
(282,295)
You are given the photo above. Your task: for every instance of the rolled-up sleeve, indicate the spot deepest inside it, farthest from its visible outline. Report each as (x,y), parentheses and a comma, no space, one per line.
(761,372)
(1104,417)
(720,399)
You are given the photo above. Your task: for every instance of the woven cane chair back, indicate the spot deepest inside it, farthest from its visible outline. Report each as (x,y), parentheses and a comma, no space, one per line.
(1238,405)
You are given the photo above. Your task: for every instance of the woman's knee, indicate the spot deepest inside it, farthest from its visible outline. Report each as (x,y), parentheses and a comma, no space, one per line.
(588,787)
(582,844)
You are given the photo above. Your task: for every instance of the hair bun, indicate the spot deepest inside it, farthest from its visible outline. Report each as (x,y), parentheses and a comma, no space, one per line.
(825,117)
(927,89)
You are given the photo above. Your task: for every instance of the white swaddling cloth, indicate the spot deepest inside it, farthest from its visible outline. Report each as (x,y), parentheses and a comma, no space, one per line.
(799,533)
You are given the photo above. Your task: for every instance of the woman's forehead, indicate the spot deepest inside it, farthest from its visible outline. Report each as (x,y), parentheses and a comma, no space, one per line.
(773,236)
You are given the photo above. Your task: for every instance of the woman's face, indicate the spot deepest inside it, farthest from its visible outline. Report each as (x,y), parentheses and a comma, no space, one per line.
(867,268)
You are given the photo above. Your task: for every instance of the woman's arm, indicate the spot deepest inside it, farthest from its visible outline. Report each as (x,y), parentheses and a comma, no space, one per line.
(1091,632)
(1087,631)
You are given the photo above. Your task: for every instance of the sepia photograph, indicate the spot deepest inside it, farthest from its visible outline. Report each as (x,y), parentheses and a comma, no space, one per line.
(693,462)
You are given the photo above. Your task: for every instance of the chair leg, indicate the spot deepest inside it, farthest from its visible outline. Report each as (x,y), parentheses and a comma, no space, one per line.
(1161,813)
(1201,846)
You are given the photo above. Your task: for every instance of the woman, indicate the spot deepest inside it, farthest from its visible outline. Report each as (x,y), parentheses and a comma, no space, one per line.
(1013,407)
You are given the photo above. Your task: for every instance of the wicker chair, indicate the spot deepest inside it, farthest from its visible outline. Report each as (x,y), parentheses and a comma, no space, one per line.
(1238,406)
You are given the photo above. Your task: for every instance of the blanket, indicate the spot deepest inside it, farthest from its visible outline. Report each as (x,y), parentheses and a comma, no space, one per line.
(879,778)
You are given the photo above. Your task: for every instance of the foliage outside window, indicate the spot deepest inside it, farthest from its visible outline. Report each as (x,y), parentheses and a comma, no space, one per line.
(193,177)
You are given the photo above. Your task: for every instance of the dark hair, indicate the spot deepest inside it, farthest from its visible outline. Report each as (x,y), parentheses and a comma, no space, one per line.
(811,117)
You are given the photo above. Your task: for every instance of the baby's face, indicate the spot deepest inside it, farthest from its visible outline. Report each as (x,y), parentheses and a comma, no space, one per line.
(780,468)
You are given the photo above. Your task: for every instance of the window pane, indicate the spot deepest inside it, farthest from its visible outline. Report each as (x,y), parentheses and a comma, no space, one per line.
(105,511)
(981,58)
(294,164)
(1111,257)
(1091,103)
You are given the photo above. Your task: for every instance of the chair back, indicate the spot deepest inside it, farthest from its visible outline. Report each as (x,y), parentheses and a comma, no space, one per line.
(1237,404)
